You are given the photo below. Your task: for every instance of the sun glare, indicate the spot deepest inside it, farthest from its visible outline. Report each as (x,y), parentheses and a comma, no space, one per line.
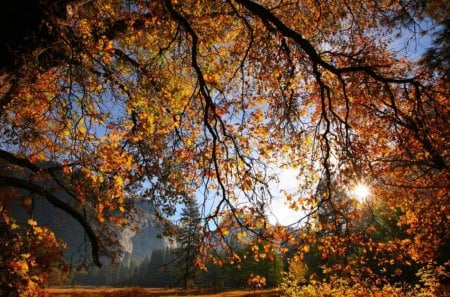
(361,191)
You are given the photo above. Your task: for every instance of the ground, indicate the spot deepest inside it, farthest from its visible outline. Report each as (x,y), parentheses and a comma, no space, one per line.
(144,292)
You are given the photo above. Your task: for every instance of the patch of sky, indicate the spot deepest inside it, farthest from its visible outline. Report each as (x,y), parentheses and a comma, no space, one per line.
(413,40)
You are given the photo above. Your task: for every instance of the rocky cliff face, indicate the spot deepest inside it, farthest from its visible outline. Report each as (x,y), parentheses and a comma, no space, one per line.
(139,243)
(136,242)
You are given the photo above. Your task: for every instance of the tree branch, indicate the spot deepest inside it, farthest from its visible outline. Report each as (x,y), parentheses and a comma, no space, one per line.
(266,15)
(53,200)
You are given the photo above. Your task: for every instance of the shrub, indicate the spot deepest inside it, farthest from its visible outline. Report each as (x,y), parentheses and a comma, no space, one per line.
(341,288)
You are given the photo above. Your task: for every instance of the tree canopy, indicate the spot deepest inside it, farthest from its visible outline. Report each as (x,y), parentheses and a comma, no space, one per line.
(116,100)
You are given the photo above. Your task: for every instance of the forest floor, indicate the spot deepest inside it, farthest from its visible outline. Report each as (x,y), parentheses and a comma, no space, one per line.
(144,292)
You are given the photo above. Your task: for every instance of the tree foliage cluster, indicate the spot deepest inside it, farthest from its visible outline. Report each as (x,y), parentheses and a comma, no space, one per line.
(162,100)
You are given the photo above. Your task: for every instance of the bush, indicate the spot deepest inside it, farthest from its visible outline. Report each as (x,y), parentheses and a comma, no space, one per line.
(342,288)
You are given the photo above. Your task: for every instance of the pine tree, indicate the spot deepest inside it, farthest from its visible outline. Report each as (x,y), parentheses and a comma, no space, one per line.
(188,240)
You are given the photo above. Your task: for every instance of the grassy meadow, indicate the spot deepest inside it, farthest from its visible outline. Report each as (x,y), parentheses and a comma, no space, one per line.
(144,292)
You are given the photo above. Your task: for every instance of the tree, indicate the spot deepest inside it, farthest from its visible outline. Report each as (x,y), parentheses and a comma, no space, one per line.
(160,271)
(153,100)
(236,274)
(188,240)
(360,238)
(29,254)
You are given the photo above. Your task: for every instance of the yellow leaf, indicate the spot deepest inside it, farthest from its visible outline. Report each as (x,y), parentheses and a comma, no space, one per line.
(119,180)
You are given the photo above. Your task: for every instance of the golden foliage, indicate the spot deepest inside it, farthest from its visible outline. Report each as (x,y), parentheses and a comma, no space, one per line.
(159,100)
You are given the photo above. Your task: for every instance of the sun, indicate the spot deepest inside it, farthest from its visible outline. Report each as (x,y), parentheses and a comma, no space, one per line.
(361,191)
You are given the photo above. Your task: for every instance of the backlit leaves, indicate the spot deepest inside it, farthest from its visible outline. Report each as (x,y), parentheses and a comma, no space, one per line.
(159,100)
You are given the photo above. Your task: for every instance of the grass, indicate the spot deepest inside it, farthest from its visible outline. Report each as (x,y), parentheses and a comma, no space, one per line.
(144,292)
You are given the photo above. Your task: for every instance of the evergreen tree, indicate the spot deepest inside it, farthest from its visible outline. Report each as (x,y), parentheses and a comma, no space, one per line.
(188,240)
(157,271)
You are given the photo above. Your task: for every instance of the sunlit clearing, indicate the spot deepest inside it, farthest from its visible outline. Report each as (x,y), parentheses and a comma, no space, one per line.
(361,191)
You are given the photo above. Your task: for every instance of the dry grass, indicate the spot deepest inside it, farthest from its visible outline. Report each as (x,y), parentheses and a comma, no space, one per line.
(144,292)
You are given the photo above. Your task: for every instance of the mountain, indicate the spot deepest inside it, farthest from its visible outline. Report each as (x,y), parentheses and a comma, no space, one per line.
(139,244)
(136,241)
